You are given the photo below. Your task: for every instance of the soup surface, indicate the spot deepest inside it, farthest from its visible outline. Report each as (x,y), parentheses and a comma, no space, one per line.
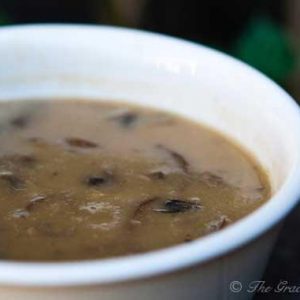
(86,179)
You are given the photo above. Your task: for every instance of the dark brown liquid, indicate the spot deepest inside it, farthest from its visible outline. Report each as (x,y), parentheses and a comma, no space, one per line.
(86,180)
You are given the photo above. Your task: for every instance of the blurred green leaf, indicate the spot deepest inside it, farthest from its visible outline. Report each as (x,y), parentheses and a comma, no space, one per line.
(4,19)
(265,46)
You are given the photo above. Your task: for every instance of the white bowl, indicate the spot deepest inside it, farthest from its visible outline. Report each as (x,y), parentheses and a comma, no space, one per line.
(49,61)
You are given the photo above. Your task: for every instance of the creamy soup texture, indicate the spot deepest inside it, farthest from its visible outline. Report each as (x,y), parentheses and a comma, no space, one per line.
(83,179)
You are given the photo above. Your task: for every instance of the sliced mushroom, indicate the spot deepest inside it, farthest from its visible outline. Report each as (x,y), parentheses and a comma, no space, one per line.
(21,121)
(218,224)
(126,119)
(26,160)
(15,183)
(34,201)
(180,161)
(168,206)
(177,206)
(80,143)
(20,213)
(157,175)
(104,179)
(142,206)
(211,179)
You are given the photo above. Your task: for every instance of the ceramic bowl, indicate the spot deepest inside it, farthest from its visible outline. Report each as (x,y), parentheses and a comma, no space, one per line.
(49,61)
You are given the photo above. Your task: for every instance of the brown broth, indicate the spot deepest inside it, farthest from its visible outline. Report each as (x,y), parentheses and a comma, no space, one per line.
(87,179)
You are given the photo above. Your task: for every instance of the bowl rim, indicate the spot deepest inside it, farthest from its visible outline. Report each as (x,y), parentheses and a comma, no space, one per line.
(138,266)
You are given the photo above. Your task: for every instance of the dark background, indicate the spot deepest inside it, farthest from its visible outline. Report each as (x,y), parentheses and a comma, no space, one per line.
(263,33)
